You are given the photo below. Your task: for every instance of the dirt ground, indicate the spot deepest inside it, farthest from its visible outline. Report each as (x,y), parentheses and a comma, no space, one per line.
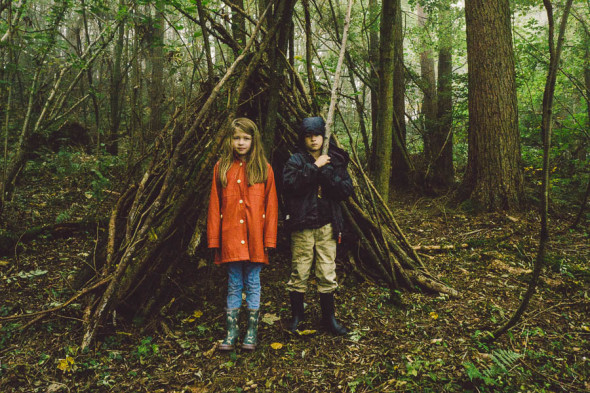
(432,343)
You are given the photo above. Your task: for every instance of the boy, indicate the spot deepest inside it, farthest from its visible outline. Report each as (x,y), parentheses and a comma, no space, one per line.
(314,184)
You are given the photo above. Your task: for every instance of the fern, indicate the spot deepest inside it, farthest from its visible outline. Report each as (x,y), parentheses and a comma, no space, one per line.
(503,362)
(504,359)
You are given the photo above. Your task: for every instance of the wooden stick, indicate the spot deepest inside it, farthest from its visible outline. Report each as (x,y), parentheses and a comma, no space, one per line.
(336,85)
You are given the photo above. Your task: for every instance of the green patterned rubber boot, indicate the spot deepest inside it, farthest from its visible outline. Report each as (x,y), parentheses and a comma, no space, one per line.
(231,318)
(250,340)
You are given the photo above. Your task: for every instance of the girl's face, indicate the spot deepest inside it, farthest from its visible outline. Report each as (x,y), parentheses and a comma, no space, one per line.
(241,142)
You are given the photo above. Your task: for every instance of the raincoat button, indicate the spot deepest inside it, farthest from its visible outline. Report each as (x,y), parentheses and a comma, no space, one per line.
(239,181)
(241,201)
(241,221)
(243,242)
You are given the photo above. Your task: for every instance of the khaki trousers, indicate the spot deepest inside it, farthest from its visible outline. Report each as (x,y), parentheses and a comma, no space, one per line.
(303,244)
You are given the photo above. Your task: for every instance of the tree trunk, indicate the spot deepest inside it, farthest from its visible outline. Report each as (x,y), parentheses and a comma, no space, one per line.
(90,79)
(359,105)
(582,151)
(373,27)
(137,129)
(400,161)
(206,45)
(546,124)
(116,90)
(428,83)
(493,180)
(155,89)
(19,159)
(238,23)
(309,60)
(276,56)
(440,173)
(383,134)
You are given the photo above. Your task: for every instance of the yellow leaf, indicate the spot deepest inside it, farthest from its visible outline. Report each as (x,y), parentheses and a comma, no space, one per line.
(433,315)
(306,332)
(153,235)
(586,328)
(193,317)
(276,345)
(66,365)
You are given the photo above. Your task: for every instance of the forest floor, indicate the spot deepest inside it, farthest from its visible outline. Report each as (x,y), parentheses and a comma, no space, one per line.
(432,343)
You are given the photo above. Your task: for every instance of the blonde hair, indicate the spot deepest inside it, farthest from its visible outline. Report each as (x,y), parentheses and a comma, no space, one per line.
(256,163)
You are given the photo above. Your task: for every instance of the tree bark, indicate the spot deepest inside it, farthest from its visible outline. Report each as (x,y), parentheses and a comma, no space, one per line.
(309,60)
(429,100)
(284,13)
(383,134)
(493,179)
(584,200)
(205,32)
(90,80)
(400,161)
(238,24)
(546,124)
(155,89)
(373,27)
(116,89)
(440,174)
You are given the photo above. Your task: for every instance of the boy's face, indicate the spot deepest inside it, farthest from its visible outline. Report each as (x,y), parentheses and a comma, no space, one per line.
(313,142)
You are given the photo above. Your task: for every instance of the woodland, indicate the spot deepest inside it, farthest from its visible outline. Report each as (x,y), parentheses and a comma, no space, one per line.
(464,265)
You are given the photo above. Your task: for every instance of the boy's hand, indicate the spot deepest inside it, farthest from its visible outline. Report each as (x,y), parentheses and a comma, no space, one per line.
(322,160)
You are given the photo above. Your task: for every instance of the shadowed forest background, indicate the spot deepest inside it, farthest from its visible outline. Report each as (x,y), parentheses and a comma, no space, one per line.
(464,264)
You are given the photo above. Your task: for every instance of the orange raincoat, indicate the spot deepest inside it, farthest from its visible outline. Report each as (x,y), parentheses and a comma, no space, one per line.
(242,219)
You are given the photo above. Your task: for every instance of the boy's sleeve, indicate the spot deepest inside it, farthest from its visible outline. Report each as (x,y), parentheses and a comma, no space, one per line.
(297,175)
(214,214)
(271,211)
(336,181)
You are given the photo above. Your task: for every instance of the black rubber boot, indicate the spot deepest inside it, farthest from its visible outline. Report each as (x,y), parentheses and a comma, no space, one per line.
(328,318)
(296,310)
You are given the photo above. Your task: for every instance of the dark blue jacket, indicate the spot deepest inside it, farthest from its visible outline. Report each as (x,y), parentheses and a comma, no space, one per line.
(301,180)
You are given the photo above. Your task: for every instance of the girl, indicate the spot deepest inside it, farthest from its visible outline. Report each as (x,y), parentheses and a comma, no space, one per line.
(242,223)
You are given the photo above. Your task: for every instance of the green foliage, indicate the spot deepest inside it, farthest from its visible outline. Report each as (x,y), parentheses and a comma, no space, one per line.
(503,362)
(7,333)
(146,349)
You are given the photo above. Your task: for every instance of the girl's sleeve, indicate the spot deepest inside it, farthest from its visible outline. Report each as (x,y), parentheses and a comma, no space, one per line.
(271,214)
(214,214)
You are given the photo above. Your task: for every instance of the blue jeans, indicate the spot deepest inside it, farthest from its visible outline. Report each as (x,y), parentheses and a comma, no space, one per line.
(243,275)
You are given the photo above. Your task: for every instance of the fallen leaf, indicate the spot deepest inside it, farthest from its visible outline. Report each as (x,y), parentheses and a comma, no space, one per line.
(193,317)
(306,332)
(212,350)
(276,346)
(270,319)
(66,365)
(433,315)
